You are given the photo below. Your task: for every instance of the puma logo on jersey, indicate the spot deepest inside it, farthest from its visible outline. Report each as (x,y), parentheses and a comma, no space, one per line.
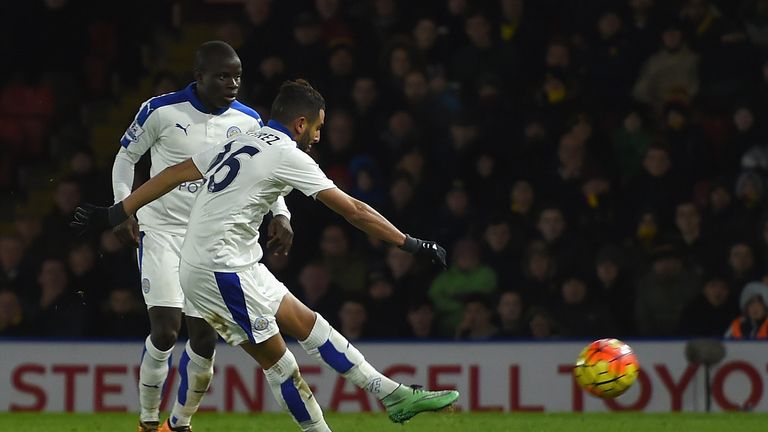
(183,128)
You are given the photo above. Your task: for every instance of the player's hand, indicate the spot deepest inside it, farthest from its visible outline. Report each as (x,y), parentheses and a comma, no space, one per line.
(89,217)
(427,248)
(280,235)
(128,232)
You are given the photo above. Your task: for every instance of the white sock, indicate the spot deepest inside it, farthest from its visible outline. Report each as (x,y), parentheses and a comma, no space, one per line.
(196,373)
(294,395)
(328,346)
(152,375)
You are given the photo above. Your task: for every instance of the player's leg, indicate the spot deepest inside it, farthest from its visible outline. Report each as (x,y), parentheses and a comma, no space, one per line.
(158,264)
(321,341)
(241,309)
(195,371)
(165,323)
(324,343)
(287,385)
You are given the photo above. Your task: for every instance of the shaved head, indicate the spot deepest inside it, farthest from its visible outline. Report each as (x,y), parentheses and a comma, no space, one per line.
(213,52)
(217,73)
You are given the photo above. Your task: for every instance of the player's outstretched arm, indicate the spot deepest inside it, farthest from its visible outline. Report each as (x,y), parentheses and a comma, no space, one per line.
(368,220)
(161,184)
(90,216)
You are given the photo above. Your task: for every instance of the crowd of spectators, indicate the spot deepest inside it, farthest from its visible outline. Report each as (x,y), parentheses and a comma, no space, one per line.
(595,168)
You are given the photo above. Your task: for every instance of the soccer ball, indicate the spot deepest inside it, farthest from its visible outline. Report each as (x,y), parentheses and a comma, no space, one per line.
(606,368)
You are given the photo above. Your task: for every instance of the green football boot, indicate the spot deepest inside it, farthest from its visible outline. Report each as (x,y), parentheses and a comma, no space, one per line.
(406,402)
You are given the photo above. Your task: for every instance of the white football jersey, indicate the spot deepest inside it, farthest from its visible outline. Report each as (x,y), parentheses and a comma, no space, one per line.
(245,175)
(174,127)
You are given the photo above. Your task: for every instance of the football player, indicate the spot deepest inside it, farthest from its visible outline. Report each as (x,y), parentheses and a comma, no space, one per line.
(220,270)
(173,127)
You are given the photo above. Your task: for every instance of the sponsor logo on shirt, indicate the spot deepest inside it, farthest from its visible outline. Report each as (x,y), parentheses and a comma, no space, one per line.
(232,131)
(192,187)
(184,128)
(145,285)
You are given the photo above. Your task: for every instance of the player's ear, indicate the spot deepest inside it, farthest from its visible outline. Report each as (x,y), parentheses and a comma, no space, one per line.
(300,125)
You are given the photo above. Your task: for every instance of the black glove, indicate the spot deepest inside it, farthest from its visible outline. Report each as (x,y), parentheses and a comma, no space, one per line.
(427,248)
(95,218)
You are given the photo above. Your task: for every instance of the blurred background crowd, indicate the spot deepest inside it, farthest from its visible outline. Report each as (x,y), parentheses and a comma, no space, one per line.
(594,167)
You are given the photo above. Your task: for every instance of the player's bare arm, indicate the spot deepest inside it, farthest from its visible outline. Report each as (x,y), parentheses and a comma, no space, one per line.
(160,185)
(368,220)
(93,216)
(361,215)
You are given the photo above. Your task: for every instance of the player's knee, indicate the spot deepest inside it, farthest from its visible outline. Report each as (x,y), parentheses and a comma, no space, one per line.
(164,338)
(204,345)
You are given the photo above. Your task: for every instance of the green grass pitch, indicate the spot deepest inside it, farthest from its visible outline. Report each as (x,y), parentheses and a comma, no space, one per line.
(428,422)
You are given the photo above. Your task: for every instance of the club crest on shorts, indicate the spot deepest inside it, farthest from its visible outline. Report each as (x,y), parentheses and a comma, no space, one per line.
(232,131)
(260,324)
(145,285)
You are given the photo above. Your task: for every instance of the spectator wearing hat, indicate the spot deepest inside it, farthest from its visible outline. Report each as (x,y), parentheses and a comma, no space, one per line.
(753,322)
